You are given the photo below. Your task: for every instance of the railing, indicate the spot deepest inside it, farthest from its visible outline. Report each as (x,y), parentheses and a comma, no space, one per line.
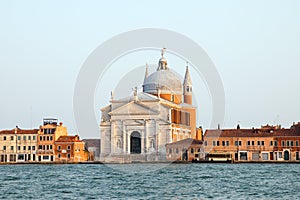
(45,151)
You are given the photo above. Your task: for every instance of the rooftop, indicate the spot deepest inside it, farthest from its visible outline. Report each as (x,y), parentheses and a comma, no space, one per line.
(19,131)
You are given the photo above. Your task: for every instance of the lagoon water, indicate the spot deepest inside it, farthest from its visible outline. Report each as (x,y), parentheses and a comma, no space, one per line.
(151,181)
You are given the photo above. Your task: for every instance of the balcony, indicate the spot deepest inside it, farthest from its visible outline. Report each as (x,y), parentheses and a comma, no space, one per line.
(45,151)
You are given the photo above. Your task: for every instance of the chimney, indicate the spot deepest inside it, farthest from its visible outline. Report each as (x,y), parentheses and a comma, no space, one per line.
(60,123)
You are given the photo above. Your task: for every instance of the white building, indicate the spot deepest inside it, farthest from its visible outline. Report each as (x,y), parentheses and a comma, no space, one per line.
(139,126)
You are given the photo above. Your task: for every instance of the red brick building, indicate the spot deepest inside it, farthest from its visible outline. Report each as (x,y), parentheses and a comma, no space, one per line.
(268,143)
(70,149)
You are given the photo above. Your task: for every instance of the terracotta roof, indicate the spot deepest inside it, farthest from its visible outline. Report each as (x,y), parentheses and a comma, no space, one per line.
(69,138)
(252,132)
(19,131)
(186,142)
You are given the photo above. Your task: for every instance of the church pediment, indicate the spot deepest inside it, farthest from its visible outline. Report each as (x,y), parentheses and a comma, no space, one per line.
(134,108)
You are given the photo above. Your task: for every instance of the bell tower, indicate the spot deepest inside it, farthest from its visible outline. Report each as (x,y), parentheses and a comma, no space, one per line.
(187,87)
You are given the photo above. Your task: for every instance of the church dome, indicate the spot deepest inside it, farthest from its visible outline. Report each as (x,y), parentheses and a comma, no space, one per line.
(165,80)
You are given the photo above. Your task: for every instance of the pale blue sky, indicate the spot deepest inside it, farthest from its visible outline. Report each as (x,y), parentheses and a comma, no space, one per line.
(255,46)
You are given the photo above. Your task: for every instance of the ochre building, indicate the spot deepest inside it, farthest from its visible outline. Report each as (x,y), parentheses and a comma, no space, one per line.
(70,149)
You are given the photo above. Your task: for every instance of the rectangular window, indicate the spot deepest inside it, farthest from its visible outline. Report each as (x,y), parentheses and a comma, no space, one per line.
(29,148)
(275,143)
(69,156)
(45,157)
(258,143)
(214,143)
(33,137)
(41,138)
(218,143)
(236,143)
(40,147)
(29,137)
(51,138)
(24,137)
(297,143)
(21,157)
(11,148)
(252,143)
(292,143)
(248,143)
(33,148)
(223,143)
(11,137)
(4,137)
(50,146)
(58,147)
(227,143)
(205,143)
(19,137)
(279,154)
(24,148)
(4,148)
(282,143)
(262,143)
(271,143)
(287,143)
(19,148)
(240,143)
(297,156)
(265,156)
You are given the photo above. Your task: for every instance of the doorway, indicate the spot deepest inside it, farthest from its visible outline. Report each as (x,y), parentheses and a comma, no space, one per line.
(286,155)
(135,143)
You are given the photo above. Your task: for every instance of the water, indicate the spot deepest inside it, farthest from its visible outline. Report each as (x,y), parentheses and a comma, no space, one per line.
(175,181)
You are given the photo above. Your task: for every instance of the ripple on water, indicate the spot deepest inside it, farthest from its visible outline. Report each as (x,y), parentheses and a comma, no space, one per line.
(197,181)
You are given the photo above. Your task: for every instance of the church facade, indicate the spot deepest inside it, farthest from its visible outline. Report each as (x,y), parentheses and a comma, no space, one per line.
(139,126)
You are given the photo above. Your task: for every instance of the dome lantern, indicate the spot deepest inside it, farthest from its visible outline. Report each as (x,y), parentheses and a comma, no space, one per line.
(162,63)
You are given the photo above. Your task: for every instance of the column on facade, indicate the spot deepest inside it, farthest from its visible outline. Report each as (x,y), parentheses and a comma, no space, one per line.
(157,135)
(124,138)
(146,135)
(128,142)
(112,135)
(142,141)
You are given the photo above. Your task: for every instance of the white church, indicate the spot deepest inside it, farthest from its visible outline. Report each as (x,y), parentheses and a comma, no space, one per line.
(137,127)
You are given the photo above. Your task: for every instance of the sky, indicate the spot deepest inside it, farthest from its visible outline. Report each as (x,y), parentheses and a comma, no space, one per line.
(254,45)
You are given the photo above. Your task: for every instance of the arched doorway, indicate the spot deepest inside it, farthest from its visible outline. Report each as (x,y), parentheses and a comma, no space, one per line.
(135,143)
(286,155)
